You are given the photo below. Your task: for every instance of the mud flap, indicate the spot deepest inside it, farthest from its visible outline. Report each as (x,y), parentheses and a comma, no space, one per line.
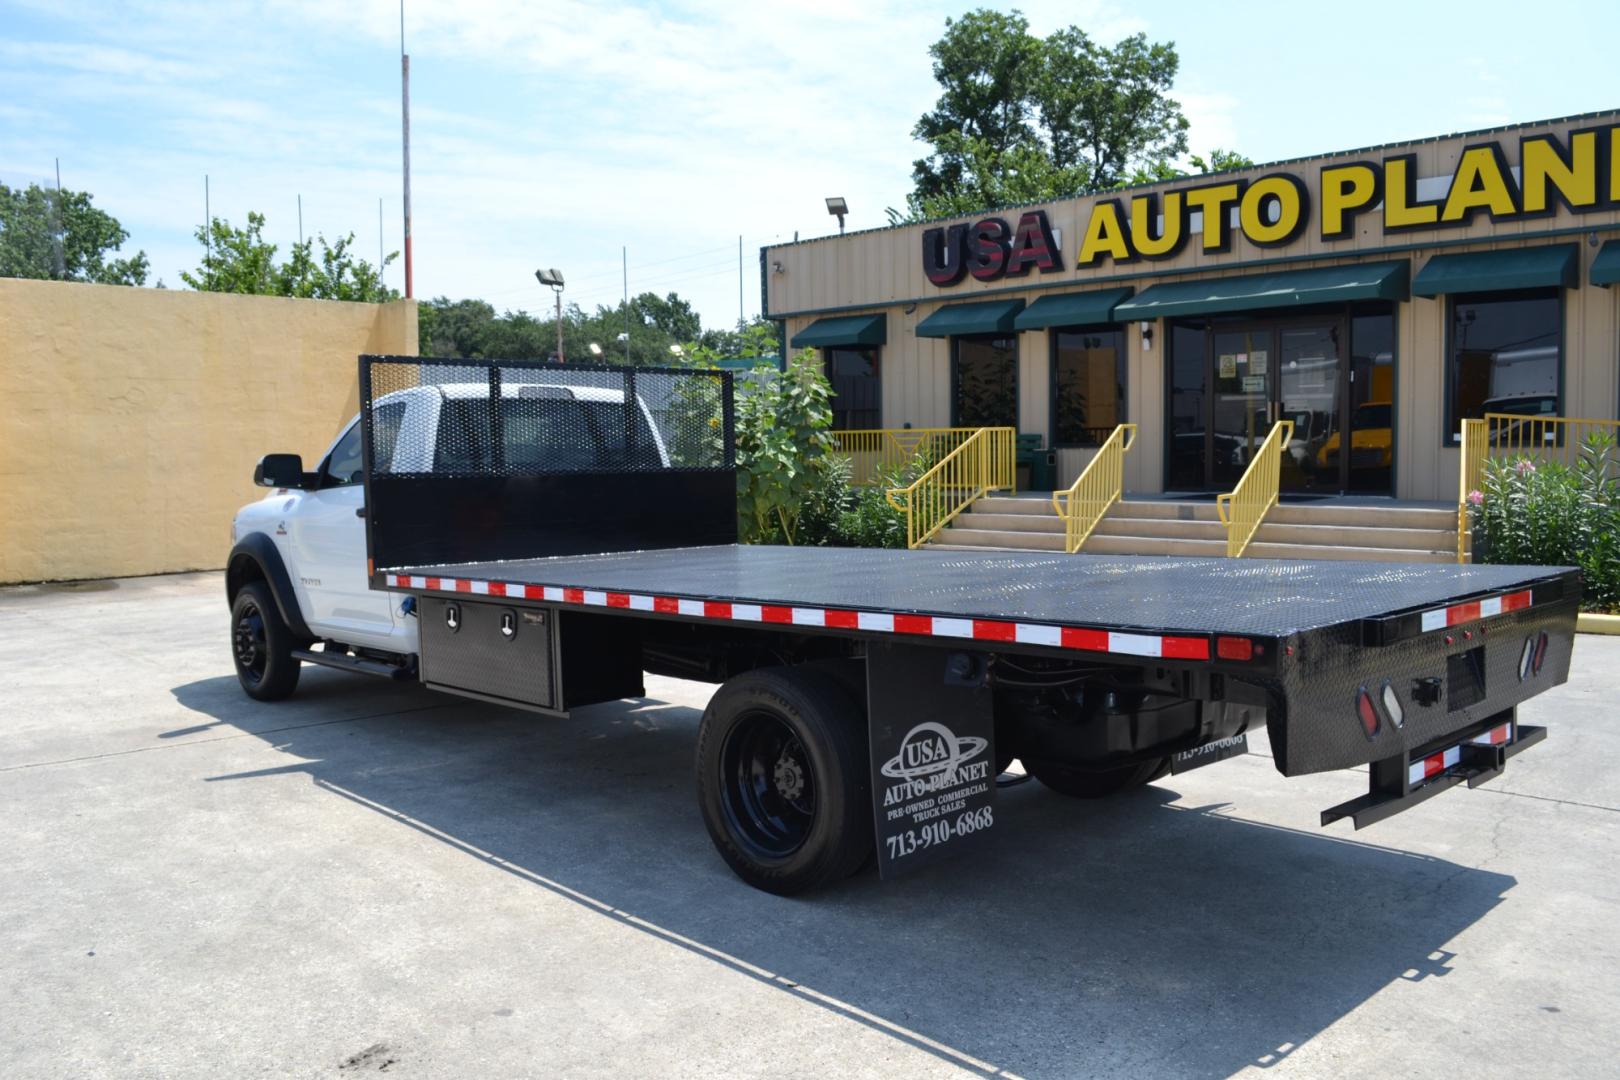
(932,734)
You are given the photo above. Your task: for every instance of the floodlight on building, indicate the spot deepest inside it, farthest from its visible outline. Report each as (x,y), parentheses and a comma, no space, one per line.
(838,208)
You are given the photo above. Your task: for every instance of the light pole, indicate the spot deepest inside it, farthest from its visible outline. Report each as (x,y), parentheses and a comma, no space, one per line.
(553,279)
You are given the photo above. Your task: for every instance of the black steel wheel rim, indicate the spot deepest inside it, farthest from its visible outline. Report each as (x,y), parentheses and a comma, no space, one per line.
(248,642)
(767,791)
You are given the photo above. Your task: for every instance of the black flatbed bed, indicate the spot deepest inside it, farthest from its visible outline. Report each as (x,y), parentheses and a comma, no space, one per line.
(1271,598)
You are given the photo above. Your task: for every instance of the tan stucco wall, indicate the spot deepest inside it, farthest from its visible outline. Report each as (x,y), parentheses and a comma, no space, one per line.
(881,271)
(130,419)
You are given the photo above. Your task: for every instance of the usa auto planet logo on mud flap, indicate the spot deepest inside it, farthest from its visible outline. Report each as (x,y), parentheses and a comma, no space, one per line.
(931,753)
(937,775)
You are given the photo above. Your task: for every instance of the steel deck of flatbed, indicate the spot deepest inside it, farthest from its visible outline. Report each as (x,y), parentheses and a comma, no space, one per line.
(1259,597)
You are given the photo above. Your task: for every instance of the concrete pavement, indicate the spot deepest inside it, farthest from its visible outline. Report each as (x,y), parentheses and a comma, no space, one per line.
(375,878)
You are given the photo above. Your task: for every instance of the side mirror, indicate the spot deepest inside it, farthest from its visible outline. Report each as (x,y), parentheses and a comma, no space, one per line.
(279,471)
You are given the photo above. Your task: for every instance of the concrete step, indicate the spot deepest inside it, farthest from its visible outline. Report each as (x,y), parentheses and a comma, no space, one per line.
(1257,550)
(957,536)
(1357,536)
(1002,504)
(1099,544)
(1160,528)
(1166,509)
(1395,517)
(1036,523)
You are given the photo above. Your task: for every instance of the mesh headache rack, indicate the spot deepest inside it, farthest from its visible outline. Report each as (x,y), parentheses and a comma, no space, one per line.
(471,460)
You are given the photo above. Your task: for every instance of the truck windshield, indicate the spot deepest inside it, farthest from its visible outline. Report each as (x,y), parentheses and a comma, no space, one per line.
(550,434)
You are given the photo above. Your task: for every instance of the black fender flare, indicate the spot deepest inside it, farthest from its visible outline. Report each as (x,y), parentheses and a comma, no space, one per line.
(256,550)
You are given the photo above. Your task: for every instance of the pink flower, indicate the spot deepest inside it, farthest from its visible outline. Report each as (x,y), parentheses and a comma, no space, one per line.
(1476,498)
(1525,467)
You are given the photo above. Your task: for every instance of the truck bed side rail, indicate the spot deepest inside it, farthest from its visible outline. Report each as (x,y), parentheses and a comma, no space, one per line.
(479,461)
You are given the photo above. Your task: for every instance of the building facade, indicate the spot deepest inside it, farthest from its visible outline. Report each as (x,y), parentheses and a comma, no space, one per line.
(1375,298)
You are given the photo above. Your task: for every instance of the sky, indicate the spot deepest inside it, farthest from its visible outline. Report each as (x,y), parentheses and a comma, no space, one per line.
(560,133)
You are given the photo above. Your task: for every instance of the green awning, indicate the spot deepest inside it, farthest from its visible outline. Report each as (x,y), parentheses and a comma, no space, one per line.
(844,330)
(1285,288)
(1494,271)
(1606,266)
(1071,309)
(977,317)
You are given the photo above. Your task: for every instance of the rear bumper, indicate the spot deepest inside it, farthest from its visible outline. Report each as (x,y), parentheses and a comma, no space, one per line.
(1451,672)
(1474,757)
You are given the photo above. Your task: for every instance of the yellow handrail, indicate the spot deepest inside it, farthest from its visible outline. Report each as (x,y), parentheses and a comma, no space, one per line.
(1509,435)
(1244,507)
(981,463)
(872,451)
(1471,478)
(1099,486)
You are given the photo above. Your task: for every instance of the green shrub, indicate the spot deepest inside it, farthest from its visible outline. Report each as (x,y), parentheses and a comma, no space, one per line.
(782,442)
(791,488)
(1545,513)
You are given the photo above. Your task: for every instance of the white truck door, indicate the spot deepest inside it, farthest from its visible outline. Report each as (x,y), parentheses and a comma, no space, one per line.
(329,545)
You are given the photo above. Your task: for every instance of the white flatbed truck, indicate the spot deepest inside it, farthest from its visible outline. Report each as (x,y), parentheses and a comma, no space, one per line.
(541,535)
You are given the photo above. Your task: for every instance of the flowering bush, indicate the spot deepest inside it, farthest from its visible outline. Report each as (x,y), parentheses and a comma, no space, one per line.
(1550,514)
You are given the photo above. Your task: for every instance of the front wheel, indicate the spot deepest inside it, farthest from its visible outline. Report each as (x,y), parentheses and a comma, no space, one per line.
(782,779)
(261,645)
(1081,784)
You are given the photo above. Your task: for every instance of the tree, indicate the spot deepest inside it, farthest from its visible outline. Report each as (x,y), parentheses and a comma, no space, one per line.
(1218,161)
(241,261)
(652,323)
(50,234)
(1025,119)
(757,337)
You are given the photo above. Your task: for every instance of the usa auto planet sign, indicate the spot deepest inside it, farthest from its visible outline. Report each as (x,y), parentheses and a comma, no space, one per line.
(939,787)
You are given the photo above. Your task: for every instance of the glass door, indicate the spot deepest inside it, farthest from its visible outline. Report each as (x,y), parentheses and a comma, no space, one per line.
(1240,406)
(1309,377)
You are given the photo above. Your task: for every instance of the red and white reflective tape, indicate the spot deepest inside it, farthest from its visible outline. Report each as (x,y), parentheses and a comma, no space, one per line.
(1160,646)
(1440,618)
(1441,760)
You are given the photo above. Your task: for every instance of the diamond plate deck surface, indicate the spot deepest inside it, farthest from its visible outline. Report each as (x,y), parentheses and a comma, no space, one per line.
(1240,596)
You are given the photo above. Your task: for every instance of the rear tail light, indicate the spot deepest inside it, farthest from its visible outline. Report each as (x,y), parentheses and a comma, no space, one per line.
(1541,654)
(1234,648)
(1392,704)
(1367,711)
(1527,656)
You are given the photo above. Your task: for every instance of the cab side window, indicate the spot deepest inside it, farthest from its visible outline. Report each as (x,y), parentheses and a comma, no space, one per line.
(344,466)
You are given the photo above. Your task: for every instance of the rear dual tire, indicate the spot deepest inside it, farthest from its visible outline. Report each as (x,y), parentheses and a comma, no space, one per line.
(783,779)
(1083,784)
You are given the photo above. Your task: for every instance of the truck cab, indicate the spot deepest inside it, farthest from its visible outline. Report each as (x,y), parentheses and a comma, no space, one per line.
(307,536)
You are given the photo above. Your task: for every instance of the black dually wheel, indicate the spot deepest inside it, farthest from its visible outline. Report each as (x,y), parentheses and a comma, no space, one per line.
(261,645)
(782,779)
(1085,784)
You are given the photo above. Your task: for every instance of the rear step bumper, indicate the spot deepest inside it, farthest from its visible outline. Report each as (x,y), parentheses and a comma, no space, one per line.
(1400,783)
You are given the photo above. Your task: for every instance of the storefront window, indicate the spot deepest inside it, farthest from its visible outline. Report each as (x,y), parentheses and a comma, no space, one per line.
(1504,356)
(857,401)
(985,376)
(1188,406)
(1371,468)
(1088,385)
